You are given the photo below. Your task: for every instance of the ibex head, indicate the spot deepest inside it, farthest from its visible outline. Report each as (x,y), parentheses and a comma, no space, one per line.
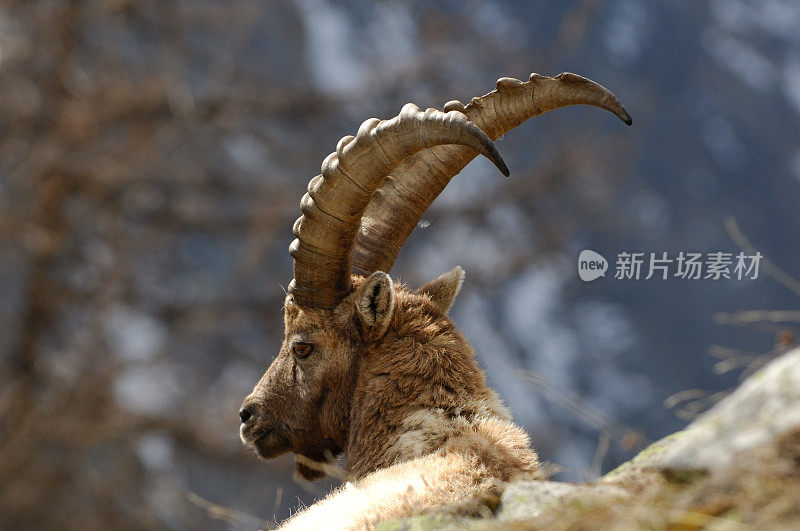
(356,216)
(303,401)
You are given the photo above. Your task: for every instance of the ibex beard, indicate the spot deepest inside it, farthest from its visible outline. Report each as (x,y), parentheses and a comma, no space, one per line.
(374,370)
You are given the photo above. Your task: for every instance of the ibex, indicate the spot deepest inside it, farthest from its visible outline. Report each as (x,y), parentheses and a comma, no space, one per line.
(371,369)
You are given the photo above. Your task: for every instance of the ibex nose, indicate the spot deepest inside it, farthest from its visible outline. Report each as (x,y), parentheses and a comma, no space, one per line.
(245,414)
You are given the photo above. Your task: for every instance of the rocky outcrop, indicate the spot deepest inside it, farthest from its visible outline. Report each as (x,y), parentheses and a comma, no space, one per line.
(738,463)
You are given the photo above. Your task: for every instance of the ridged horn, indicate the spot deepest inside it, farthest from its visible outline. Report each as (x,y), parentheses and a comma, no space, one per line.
(336,199)
(398,205)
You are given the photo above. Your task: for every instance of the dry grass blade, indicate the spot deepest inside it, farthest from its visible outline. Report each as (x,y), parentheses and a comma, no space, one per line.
(769,268)
(220,512)
(731,364)
(585,412)
(725,353)
(603,446)
(550,469)
(752,316)
(691,403)
(278,499)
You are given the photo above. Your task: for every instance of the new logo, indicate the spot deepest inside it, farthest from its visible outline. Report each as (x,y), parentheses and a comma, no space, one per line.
(591,265)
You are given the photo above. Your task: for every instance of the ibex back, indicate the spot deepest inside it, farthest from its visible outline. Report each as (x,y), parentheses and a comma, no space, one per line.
(376,371)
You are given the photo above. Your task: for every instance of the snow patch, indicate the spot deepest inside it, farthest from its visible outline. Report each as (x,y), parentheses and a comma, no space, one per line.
(741,60)
(778,18)
(604,328)
(720,138)
(497,358)
(134,336)
(475,183)
(156,451)
(247,152)
(652,212)
(334,68)
(533,307)
(624,33)
(392,35)
(146,390)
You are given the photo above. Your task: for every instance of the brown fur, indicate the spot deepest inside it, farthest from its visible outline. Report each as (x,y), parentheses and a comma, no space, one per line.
(394,386)
(443,290)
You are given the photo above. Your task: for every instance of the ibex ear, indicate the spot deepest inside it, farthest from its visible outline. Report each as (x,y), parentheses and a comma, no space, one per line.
(444,289)
(375,304)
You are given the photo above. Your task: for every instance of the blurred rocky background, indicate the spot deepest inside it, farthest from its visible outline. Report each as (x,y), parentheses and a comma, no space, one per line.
(152,157)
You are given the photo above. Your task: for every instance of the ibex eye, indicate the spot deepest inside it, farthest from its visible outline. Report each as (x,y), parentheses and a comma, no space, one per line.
(302,350)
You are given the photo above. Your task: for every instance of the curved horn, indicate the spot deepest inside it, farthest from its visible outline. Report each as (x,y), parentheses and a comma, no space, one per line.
(400,202)
(336,199)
